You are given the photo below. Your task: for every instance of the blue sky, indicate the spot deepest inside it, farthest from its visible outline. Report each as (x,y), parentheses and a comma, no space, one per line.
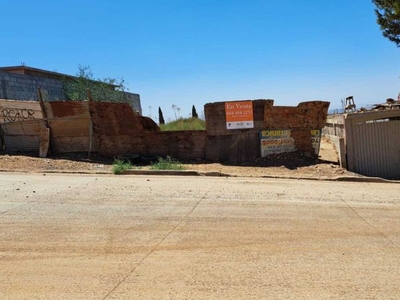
(186,52)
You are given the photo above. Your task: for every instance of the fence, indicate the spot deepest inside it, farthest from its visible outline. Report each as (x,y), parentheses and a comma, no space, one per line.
(114,129)
(334,132)
(373,143)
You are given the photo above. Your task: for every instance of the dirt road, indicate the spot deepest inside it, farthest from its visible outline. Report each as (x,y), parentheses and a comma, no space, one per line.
(138,237)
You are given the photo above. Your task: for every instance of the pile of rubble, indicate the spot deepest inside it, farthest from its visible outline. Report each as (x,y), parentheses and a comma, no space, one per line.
(289,160)
(389,104)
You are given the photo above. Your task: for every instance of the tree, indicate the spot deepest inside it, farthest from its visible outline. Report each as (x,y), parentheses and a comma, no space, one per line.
(388,18)
(107,89)
(194,112)
(160,117)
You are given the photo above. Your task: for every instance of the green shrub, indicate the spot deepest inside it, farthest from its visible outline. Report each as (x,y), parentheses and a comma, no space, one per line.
(120,166)
(184,124)
(167,163)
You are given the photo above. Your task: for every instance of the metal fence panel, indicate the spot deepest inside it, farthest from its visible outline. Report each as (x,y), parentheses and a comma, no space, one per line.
(376,149)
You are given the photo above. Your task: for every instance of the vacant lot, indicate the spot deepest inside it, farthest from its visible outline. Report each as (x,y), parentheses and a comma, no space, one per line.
(137,237)
(291,167)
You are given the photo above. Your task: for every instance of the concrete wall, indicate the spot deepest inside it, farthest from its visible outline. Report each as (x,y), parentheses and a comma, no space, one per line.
(334,133)
(334,126)
(134,102)
(24,87)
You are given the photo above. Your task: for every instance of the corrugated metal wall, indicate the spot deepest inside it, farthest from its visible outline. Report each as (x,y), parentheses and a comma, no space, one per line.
(374,149)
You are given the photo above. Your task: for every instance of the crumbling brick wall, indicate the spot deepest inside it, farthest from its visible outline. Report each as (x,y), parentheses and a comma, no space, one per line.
(242,145)
(117,129)
(120,131)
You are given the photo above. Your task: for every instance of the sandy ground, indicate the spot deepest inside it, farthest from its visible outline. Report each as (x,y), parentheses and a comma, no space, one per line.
(161,237)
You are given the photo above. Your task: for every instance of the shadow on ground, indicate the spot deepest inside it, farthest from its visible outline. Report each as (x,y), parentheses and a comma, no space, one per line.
(291,161)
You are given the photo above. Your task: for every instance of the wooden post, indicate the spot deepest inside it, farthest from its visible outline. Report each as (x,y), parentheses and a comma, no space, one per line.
(89,93)
(2,143)
(342,153)
(90,135)
(90,100)
(349,143)
(44,142)
(44,137)
(41,103)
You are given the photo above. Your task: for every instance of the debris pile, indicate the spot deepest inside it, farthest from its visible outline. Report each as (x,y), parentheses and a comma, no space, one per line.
(289,160)
(389,104)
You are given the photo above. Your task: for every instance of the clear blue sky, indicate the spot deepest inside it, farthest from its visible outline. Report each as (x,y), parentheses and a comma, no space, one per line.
(187,52)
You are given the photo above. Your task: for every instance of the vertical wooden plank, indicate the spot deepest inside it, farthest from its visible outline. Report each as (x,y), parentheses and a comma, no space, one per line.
(90,137)
(39,93)
(44,137)
(89,93)
(349,143)
(342,153)
(90,99)
(44,140)
(2,144)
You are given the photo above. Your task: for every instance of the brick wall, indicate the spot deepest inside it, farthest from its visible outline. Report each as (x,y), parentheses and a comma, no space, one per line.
(243,145)
(120,131)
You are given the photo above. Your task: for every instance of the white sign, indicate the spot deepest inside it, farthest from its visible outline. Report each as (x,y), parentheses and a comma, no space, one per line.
(276,141)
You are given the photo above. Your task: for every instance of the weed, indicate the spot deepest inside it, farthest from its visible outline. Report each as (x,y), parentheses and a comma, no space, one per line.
(167,163)
(120,166)
(184,124)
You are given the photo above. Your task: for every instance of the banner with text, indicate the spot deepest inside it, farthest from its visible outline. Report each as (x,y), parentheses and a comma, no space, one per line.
(276,141)
(239,115)
(316,139)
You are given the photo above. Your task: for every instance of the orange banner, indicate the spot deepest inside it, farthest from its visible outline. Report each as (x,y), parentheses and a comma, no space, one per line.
(239,114)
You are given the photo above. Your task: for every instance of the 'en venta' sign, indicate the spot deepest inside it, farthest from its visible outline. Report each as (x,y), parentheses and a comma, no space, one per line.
(239,115)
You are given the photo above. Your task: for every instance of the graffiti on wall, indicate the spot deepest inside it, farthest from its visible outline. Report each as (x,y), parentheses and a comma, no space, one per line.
(276,141)
(16,114)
